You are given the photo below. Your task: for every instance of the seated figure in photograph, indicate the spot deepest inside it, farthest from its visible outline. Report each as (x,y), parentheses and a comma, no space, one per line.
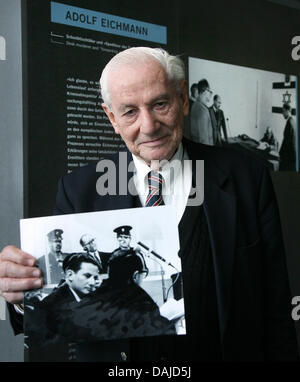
(81,277)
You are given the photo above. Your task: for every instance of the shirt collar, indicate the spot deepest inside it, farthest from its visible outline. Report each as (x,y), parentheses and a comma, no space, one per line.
(77,298)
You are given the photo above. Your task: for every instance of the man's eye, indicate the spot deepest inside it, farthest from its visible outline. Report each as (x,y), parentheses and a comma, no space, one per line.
(160,105)
(130,113)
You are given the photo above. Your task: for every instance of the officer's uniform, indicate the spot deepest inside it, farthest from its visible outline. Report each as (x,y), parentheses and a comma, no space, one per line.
(52,266)
(122,230)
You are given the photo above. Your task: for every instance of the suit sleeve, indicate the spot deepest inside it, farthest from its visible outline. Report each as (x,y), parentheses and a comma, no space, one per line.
(281,342)
(16,319)
(63,203)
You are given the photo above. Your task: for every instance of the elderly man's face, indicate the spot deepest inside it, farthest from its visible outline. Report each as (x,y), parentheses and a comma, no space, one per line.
(147,111)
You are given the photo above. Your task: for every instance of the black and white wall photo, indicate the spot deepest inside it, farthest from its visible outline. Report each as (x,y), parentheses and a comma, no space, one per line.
(246,109)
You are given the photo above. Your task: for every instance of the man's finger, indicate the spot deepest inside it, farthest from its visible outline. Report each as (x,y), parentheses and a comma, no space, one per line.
(13,297)
(19,285)
(16,255)
(10,269)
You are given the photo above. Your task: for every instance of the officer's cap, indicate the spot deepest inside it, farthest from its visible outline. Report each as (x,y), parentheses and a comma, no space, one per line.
(55,235)
(123,230)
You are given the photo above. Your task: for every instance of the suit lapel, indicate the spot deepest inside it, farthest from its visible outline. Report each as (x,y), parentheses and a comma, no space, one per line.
(220,210)
(125,197)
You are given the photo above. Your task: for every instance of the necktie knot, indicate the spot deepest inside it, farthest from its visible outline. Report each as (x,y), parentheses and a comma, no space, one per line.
(155,182)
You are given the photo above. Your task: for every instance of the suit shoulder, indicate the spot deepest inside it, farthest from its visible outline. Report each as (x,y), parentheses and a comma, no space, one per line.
(87,173)
(226,158)
(197,106)
(292,123)
(57,294)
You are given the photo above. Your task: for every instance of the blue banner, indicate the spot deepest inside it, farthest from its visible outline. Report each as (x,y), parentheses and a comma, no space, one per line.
(103,22)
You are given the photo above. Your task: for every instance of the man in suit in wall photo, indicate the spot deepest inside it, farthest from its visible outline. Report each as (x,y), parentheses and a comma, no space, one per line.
(193,95)
(202,120)
(287,150)
(220,126)
(235,280)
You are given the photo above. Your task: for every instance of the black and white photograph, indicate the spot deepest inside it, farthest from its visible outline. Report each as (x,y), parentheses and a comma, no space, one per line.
(107,275)
(247,109)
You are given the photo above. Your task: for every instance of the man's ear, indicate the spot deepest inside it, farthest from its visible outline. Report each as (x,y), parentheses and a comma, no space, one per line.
(135,277)
(111,117)
(69,275)
(184,98)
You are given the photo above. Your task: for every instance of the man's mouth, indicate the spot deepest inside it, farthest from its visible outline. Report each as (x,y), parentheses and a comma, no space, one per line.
(155,141)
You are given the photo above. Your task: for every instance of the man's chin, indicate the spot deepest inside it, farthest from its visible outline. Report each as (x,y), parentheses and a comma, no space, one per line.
(157,154)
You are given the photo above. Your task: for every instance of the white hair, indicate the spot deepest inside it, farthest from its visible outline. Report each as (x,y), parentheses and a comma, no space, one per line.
(173,66)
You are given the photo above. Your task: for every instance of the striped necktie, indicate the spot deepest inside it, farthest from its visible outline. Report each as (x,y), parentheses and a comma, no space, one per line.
(155,182)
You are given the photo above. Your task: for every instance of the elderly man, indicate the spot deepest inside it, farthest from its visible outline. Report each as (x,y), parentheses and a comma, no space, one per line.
(235,280)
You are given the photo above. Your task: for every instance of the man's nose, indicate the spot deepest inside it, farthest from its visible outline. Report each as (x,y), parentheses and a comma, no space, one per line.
(92,281)
(148,122)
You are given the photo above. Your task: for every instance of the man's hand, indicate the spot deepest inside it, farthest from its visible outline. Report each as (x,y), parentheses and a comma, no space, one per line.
(17,274)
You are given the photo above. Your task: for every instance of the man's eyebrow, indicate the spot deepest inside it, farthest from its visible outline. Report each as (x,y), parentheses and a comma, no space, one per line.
(160,98)
(125,106)
(164,96)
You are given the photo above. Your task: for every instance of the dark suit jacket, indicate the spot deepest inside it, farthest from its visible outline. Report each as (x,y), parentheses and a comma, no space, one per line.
(287,150)
(218,123)
(42,324)
(104,257)
(253,295)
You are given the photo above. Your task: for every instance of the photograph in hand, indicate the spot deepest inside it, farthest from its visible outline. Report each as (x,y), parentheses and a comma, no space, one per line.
(107,275)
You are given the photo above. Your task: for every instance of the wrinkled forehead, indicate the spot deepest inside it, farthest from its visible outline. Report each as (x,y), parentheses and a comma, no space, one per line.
(127,75)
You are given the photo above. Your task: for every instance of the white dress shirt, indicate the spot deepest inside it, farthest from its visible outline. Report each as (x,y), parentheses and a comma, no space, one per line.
(77,298)
(177,175)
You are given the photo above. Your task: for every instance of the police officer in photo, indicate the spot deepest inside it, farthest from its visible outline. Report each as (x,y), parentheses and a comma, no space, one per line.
(126,254)
(124,239)
(51,264)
